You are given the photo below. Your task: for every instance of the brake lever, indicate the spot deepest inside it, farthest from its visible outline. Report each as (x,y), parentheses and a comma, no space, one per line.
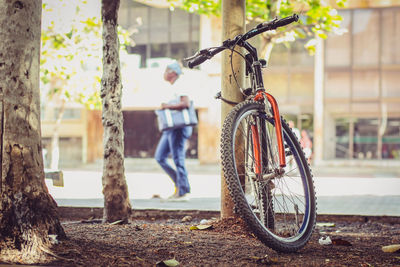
(192,57)
(264,24)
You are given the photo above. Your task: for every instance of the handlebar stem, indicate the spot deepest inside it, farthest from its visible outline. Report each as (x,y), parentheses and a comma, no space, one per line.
(256,64)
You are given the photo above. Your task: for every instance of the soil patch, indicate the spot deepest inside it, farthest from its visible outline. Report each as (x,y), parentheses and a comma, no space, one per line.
(154,236)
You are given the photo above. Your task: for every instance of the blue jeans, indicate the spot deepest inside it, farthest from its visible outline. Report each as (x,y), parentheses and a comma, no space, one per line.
(173,142)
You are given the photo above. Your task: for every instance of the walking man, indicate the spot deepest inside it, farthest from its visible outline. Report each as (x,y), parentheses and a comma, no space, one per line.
(172,142)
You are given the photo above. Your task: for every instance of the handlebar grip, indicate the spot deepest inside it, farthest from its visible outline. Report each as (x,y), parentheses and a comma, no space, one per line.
(286,21)
(197,61)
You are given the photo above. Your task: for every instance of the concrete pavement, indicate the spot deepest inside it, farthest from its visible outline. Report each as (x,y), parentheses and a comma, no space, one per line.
(337,193)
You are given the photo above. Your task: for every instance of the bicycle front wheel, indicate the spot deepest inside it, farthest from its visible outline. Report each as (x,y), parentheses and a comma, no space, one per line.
(278,207)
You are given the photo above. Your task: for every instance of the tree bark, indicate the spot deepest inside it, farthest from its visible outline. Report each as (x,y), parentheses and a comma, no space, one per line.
(233,23)
(116,199)
(28,214)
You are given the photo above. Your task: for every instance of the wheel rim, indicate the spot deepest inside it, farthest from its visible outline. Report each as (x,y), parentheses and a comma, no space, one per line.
(288,197)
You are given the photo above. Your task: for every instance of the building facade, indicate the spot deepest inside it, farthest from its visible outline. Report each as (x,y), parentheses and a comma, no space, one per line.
(359,98)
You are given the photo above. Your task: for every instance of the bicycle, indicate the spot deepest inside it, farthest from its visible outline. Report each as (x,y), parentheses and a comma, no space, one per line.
(267,174)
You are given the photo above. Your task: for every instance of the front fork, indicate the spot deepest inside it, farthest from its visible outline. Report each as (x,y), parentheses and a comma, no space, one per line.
(260,96)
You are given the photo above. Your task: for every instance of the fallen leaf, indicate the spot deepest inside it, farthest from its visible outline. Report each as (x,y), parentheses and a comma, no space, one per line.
(169,263)
(341,242)
(326,224)
(116,222)
(391,248)
(201,227)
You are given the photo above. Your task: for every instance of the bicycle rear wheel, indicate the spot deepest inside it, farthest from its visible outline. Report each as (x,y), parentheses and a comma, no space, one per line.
(279,208)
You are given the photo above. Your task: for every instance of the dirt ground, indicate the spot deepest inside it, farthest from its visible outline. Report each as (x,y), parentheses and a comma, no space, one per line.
(154,236)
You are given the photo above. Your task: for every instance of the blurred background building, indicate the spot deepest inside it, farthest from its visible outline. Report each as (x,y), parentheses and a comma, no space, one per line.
(360,90)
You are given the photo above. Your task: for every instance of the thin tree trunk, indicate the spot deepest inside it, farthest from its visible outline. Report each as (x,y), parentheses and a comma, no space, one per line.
(233,23)
(266,49)
(55,139)
(115,190)
(28,214)
(275,8)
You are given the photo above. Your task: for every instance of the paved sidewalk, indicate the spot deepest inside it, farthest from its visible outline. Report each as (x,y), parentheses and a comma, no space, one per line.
(336,193)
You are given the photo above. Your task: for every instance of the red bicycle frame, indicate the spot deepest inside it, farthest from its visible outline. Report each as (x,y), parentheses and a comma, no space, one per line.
(260,96)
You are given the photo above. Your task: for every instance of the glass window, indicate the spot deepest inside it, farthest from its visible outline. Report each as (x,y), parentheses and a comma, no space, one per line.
(301,91)
(365,84)
(338,46)
(299,55)
(363,108)
(159,25)
(139,19)
(391,139)
(277,84)
(194,47)
(397,35)
(390,83)
(365,138)
(391,36)
(160,32)
(69,114)
(179,26)
(158,50)
(338,107)
(342,138)
(392,108)
(366,37)
(179,50)
(140,50)
(279,56)
(195,31)
(337,84)
(42,112)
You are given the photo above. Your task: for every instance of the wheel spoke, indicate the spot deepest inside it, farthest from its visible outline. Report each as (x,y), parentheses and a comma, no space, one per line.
(282,205)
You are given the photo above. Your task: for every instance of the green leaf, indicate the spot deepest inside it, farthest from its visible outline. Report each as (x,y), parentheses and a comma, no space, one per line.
(67,94)
(322,35)
(69,35)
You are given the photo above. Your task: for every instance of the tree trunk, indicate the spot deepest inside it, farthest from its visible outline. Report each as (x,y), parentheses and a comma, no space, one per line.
(116,199)
(28,214)
(55,139)
(233,23)
(266,48)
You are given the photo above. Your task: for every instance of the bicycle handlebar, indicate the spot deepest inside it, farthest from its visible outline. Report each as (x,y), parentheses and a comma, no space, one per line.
(273,24)
(205,54)
(197,61)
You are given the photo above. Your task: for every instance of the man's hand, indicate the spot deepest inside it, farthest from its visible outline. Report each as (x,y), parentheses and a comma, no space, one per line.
(184,103)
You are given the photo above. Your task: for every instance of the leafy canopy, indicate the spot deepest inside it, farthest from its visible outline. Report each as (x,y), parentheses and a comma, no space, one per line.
(316,18)
(71,54)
